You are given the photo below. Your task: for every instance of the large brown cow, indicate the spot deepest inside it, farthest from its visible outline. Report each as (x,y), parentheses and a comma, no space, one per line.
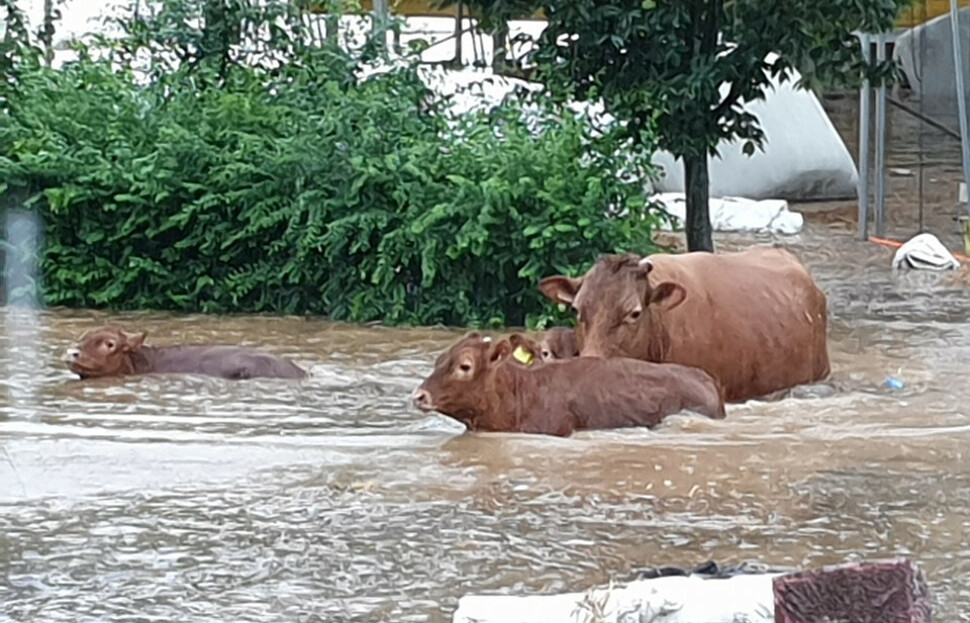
(755,319)
(114,352)
(479,383)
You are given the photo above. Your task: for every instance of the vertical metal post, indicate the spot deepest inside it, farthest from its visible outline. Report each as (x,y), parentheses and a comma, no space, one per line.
(880,159)
(459,34)
(332,27)
(381,13)
(961,93)
(865,123)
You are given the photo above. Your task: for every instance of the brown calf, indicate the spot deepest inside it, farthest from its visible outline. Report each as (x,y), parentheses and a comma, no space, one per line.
(480,384)
(110,351)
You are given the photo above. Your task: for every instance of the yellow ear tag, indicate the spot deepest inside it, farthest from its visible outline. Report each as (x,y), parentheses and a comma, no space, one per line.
(522,355)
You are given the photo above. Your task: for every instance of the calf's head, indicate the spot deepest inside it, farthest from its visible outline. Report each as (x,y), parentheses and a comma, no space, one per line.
(617,308)
(456,386)
(560,343)
(556,343)
(105,351)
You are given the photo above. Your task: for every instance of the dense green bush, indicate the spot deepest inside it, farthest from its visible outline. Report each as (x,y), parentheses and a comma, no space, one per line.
(303,190)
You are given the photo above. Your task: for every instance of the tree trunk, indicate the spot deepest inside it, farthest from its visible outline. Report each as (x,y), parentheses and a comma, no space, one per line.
(499,39)
(47,32)
(698,190)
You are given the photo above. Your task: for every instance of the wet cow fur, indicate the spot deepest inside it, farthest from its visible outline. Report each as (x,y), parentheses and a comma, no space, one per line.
(114,352)
(754,319)
(480,384)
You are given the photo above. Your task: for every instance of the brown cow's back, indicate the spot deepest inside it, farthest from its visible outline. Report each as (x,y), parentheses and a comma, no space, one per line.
(229,362)
(618,392)
(758,334)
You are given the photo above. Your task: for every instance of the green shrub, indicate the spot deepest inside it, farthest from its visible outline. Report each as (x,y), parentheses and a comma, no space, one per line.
(302,190)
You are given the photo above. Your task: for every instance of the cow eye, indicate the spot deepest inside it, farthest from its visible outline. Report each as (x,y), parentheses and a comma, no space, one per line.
(465,367)
(635,314)
(110,345)
(546,354)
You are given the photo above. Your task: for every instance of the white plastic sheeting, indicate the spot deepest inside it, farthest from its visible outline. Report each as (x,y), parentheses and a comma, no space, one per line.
(924,252)
(677,599)
(737,214)
(472,89)
(804,157)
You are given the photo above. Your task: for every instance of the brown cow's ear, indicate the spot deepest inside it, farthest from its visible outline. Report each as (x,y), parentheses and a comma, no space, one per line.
(524,350)
(668,295)
(134,341)
(501,350)
(560,289)
(517,339)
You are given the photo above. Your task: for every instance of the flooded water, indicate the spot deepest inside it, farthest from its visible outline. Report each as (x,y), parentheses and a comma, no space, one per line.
(188,499)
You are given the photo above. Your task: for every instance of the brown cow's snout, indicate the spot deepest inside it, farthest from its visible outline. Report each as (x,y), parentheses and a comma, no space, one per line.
(422,399)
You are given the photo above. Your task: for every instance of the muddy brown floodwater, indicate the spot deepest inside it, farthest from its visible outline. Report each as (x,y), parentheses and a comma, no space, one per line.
(187,499)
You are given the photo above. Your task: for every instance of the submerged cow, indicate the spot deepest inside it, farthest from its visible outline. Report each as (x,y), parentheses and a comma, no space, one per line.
(479,383)
(755,319)
(111,351)
(555,343)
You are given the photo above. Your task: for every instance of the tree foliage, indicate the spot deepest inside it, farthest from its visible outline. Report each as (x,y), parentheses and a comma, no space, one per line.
(271,178)
(682,71)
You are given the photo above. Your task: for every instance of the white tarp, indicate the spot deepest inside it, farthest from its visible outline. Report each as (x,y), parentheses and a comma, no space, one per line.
(925,252)
(737,214)
(804,157)
(678,599)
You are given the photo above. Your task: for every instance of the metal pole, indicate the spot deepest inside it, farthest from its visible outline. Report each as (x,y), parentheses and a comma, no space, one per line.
(459,27)
(380,21)
(865,122)
(880,164)
(961,93)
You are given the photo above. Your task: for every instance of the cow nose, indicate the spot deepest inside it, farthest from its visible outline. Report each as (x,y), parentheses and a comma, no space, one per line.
(72,354)
(421,398)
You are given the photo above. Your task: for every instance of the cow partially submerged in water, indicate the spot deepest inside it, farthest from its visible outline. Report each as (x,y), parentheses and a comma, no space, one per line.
(755,319)
(555,343)
(479,383)
(112,352)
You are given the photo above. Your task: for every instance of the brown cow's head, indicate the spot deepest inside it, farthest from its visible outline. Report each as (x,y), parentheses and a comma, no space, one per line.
(556,343)
(105,351)
(455,387)
(616,306)
(560,343)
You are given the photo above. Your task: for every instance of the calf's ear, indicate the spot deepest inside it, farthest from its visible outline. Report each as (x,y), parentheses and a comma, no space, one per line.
(517,339)
(668,295)
(524,349)
(134,341)
(560,289)
(499,351)
(644,267)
